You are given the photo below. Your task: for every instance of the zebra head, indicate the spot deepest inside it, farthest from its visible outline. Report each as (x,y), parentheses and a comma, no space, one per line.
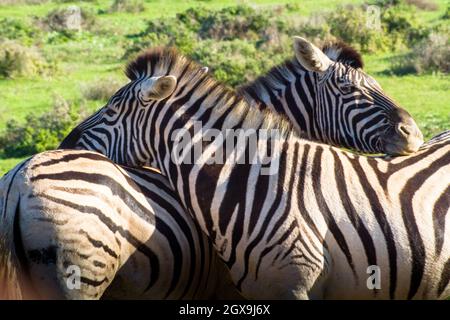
(113,130)
(351,109)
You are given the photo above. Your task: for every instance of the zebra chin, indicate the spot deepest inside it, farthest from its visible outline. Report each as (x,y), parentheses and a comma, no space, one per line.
(401,145)
(404,136)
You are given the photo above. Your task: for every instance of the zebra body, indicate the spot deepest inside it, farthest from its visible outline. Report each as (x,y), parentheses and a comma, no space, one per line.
(312,227)
(123,228)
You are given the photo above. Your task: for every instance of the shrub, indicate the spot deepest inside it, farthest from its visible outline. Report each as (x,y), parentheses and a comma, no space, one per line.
(399,27)
(17,60)
(433,54)
(430,55)
(40,133)
(352,25)
(234,22)
(131,6)
(402,25)
(15,29)
(101,89)
(446,15)
(233,62)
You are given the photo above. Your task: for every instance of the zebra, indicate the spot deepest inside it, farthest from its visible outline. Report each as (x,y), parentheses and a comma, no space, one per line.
(348,110)
(121,231)
(314,224)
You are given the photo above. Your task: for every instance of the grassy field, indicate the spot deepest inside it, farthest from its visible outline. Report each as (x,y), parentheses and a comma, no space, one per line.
(92,55)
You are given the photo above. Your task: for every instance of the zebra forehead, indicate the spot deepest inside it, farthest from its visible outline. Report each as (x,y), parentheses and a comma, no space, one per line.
(341,52)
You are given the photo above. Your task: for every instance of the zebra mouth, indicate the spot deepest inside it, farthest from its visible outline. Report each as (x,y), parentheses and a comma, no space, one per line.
(401,146)
(403,136)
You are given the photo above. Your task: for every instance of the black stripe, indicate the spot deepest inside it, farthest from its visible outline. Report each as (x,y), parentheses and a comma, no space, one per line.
(270,213)
(380,216)
(353,215)
(100,244)
(235,196)
(415,240)
(301,195)
(439,212)
(325,210)
(153,259)
(93,283)
(71,156)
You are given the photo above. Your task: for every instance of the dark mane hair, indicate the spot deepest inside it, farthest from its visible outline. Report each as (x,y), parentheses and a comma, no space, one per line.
(342,52)
(147,62)
(161,61)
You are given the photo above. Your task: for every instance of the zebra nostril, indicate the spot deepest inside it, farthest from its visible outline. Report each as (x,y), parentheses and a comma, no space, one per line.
(403,130)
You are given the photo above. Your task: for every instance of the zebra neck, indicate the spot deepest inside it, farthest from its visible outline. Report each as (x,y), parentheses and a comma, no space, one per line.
(290,91)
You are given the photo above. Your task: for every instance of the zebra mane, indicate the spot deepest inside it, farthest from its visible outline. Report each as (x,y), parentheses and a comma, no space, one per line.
(280,74)
(342,52)
(168,61)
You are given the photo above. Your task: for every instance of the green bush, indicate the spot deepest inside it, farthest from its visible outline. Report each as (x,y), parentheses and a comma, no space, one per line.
(40,133)
(403,26)
(235,62)
(433,54)
(446,15)
(398,27)
(17,60)
(15,29)
(352,25)
(240,22)
(430,55)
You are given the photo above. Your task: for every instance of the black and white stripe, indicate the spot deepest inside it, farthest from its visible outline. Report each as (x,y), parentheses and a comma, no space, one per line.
(124,228)
(311,229)
(337,102)
(342,106)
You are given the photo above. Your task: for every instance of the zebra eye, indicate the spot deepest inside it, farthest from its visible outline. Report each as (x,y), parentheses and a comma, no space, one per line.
(110,112)
(346,88)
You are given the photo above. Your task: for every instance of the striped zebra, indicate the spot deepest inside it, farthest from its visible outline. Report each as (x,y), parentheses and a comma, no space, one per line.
(122,229)
(310,227)
(343,107)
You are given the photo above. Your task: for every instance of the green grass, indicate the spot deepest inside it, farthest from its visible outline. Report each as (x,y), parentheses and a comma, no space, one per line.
(98,54)
(7,164)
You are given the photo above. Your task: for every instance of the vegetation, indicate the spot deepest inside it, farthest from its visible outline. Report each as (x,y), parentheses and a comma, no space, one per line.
(17,60)
(40,132)
(43,56)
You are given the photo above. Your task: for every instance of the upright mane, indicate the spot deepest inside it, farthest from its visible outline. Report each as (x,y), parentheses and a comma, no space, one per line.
(162,61)
(342,52)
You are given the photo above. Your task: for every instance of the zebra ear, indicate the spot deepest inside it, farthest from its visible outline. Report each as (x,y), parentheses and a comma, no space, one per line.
(158,88)
(309,56)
